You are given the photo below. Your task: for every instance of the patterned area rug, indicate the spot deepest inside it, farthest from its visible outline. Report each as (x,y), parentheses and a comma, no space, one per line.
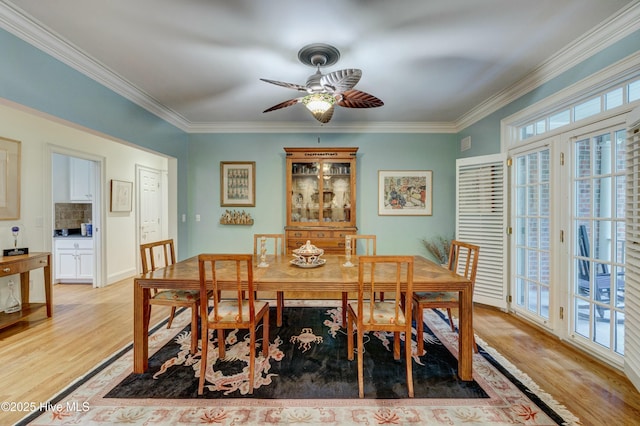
(306,379)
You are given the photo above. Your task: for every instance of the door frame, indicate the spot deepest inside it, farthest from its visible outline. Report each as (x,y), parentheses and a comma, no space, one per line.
(98,209)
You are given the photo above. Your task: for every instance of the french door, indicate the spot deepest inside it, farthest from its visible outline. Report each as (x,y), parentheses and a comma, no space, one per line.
(531,242)
(597,272)
(568,243)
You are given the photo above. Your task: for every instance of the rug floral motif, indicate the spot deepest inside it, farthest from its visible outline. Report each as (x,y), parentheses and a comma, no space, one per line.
(511,397)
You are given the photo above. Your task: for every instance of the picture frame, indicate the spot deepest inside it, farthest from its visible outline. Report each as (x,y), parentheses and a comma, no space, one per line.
(10,163)
(405,192)
(237,183)
(121,195)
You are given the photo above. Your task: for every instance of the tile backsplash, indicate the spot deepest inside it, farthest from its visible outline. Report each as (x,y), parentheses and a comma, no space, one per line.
(71,215)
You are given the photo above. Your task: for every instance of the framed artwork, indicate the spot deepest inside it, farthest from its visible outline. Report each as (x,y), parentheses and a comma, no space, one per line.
(237,184)
(405,192)
(9,179)
(121,195)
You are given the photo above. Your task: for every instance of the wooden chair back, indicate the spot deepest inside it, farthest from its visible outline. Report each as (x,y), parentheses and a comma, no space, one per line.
(388,269)
(278,243)
(157,255)
(228,268)
(234,270)
(396,272)
(369,243)
(463,259)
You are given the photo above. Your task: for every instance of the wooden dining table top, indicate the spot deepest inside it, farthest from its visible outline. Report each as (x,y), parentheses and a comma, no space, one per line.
(282,275)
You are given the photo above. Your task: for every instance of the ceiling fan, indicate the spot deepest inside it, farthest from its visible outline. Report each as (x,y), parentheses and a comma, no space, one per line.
(325,91)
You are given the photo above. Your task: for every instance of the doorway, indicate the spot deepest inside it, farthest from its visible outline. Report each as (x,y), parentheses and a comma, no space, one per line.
(76,217)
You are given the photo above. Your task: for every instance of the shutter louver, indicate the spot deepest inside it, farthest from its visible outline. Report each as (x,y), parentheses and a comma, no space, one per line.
(632,252)
(481,208)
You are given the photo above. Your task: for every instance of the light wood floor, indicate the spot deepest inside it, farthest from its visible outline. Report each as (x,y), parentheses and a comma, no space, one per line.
(41,356)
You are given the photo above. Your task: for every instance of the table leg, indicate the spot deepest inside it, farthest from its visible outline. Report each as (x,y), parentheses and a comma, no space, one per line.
(140,328)
(465,328)
(48,290)
(24,288)
(279,306)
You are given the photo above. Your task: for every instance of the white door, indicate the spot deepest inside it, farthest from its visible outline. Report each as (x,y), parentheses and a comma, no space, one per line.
(150,209)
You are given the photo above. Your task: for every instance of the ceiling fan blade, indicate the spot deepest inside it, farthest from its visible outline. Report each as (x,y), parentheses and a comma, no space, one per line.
(358,99)
(287,85)
(324,117)
(341,80)
(283,104)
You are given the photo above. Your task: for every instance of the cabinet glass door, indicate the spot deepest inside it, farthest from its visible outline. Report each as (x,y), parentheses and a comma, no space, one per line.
(305,192)
(336,192)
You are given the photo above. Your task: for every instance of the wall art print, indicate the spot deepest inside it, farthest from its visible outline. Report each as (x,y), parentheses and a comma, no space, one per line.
(237,184)
(405,192)
(9,179)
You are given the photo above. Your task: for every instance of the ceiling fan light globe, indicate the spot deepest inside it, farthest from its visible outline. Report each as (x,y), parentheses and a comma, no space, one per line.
(318,103)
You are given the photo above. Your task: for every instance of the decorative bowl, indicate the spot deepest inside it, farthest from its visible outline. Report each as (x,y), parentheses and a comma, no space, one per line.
(308,254)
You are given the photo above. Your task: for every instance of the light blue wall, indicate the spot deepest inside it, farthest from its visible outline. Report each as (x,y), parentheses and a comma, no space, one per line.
(396,234)
(485,134)
(34,79)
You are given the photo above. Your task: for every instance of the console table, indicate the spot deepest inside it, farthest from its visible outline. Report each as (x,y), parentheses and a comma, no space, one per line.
(22,264)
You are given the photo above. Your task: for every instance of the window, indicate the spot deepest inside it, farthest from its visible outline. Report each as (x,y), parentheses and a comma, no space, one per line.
(607,99)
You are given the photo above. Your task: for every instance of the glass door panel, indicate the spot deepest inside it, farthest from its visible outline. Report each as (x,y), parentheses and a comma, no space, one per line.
(532,233)
(305,197)
(598,240)
(336,192)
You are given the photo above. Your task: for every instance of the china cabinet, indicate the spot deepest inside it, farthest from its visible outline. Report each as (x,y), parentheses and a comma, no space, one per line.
(321,197)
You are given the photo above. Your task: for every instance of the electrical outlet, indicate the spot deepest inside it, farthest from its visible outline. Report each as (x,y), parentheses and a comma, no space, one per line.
(197,218)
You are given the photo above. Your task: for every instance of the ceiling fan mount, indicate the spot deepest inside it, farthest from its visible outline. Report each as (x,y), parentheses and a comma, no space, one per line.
(319,55)
(325,91)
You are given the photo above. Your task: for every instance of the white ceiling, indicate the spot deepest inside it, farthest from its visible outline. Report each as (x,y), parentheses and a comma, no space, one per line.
(197,63)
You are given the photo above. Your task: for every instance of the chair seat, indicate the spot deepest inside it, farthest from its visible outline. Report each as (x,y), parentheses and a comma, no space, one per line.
(384,313)
(177,295)
(439,297)
(228,310)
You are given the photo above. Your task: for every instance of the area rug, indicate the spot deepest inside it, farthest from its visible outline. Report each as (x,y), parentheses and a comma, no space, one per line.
(305,379)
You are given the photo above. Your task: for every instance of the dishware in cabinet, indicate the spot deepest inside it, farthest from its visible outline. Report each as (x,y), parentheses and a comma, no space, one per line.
(321,196)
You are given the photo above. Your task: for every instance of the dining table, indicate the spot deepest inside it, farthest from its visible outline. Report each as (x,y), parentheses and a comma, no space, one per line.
(282,274)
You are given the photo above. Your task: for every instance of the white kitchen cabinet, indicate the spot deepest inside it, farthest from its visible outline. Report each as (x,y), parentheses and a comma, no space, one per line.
(74,260)
(81,180)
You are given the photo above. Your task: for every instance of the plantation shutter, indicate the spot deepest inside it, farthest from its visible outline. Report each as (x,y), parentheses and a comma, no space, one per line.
(481,217)
(632,252)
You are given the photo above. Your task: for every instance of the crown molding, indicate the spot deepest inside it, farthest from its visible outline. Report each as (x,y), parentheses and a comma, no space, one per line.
(620,25)
(296,127)
(17,22)
(623,23)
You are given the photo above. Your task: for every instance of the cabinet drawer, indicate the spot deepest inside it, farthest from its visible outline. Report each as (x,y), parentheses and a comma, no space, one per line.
(23,266)
(314,235)
(74,243)
(298,234)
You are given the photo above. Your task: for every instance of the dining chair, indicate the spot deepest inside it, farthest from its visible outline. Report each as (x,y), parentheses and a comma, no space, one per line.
(369,249)
(277,242)
(463,259)
(157,255)
(230,314)
(366,314)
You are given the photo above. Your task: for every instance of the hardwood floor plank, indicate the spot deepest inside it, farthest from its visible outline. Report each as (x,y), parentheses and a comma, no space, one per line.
(41,356)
